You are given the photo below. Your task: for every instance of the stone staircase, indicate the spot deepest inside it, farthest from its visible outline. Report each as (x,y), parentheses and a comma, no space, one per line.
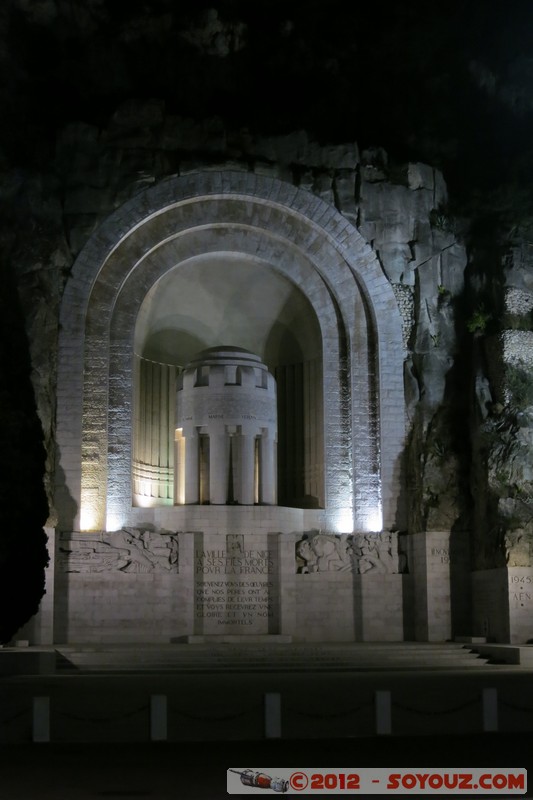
(255,658)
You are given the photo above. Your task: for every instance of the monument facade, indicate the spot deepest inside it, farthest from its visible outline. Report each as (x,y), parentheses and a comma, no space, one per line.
(237,393)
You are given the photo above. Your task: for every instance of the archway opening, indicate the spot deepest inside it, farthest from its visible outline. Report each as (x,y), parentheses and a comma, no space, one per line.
(228,299)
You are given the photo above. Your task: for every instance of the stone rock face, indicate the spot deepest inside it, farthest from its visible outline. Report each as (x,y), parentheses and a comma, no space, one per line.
(502,476)
(400,210)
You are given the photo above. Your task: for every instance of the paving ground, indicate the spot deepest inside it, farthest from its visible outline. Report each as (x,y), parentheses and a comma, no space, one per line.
(191,771)
(100,717)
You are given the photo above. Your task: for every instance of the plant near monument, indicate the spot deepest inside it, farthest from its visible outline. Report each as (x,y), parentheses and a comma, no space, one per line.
(431,498)
(520,385)
(477,323)
(439,449)
(442,219)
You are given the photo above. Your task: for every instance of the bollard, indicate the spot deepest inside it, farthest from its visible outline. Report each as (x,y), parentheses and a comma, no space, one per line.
(382,702)
(490,710)
(41,719)
(158,718)
(272,715)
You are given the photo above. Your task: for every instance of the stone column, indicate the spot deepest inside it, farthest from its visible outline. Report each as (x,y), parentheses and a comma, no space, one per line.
(179,467)
(192,487)
(267,467)
(218,467)
(245,489)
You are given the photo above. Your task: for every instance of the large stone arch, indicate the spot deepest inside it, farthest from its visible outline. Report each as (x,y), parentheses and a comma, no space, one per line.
(296,233)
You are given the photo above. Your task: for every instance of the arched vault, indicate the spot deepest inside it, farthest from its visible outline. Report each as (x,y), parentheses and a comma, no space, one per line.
(183,220)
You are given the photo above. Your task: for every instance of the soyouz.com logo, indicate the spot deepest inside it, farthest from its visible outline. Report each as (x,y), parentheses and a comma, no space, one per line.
(493,781)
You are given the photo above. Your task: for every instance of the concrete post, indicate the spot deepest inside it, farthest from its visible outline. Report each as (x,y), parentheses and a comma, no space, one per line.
(41,719)
(490,710)
(272,715)
(158,718)
(383,713)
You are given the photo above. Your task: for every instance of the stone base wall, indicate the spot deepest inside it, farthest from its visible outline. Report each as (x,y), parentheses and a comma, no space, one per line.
(439,565)
(328,607)
(503,604)
(116,607)
(490,604)
(520,585)
(231,578)
(141,585)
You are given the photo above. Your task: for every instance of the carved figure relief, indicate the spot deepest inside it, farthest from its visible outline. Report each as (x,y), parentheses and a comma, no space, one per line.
(128,550)
(323,552)
(359,553)
(518,547)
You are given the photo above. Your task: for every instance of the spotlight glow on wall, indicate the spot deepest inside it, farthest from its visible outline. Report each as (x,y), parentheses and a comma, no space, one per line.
(89,510)
(114,521)
(373,520)
(88,519)
(342,520)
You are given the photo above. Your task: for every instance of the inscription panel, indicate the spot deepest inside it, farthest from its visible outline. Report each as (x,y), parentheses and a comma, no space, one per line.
(520,591)
(235,589)
(440,555)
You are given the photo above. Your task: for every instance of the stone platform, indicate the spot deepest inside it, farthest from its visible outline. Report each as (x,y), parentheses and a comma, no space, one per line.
(269,638)
(520,655)
(256,656)
(251,692)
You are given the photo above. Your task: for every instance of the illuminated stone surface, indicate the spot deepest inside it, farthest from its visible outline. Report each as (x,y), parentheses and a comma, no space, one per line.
(319,280)
(227,398)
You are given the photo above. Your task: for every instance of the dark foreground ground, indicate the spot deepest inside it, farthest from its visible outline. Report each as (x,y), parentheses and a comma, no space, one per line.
(198,770)
(100,719)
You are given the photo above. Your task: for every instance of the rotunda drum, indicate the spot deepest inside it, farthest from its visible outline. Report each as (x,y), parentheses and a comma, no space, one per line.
(226,433)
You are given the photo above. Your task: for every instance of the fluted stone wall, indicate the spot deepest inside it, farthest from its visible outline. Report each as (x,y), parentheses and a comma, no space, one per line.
(153,432)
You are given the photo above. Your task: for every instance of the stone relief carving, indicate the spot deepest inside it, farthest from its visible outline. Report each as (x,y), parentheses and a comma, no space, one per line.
(518,547)
(322,552)
(128,550)
(359,553)
(235,544)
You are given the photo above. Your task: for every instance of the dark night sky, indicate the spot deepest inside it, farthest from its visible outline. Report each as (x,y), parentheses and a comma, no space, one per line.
(447,83)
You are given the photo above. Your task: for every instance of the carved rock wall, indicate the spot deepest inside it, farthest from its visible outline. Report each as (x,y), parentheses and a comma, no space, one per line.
(502,423)
(400,210)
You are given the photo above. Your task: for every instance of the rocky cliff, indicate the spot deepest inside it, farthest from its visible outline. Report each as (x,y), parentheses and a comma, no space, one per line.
(101,103)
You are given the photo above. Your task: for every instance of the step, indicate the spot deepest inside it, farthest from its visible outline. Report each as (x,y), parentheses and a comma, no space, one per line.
(507,653)
(239,658)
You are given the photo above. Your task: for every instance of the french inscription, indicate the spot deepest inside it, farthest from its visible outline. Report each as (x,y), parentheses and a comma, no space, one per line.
(520,590)
(234,587)
(234,603)
(442,553)
(520,598)
(225,562)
